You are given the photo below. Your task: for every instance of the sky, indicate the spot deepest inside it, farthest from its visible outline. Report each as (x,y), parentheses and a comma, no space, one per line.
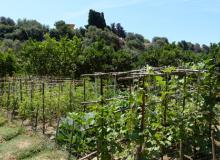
(197,21)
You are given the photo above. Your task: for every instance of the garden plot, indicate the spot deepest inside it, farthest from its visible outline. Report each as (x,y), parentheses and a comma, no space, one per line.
(7,133)
(20,147)
(49,155)
(19,143)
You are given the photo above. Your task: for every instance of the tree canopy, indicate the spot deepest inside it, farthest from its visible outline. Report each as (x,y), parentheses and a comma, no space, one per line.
(96,19)
(29,47)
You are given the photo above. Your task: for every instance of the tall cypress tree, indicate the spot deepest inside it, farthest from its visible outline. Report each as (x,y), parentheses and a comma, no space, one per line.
(96,19)
(120,31)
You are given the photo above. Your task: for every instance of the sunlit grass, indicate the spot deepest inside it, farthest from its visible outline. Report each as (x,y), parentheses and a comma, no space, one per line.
(21,146)
(50,155)
(7,133)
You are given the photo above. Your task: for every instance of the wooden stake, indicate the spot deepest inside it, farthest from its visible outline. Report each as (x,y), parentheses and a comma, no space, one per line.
(43,98)
(57,129)
(140,146)
(14,101)
(36,120)
(21,94)
(8,99)
(213,146)
(71,141)
(183,108)
(70,97)
(32,109)
(84,94)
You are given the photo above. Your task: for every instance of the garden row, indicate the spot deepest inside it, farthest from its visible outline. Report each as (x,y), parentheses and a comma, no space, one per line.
(143,114)
(160,113)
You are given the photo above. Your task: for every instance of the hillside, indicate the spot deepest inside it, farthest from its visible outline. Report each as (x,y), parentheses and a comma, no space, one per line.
(29,47)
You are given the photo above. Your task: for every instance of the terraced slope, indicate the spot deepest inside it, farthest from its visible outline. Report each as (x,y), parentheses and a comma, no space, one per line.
(17,144)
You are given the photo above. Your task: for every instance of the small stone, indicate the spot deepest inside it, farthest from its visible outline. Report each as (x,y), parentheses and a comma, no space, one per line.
(50,131)
(52,137)
(26,122)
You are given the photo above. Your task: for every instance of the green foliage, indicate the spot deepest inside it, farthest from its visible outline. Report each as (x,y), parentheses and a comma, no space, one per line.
(118,30)
(96,19)
(179,110)
(62,30)
(159,114)
(68,51)
(8,64)
(28,29)
(7,21)
(52,57)
(160,41)
(135,41)
(166,55)
(59,98)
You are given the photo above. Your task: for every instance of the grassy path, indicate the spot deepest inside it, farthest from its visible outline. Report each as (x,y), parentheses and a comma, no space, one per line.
(17,144)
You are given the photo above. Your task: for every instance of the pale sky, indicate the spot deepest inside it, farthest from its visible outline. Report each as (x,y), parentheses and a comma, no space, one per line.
(190,20)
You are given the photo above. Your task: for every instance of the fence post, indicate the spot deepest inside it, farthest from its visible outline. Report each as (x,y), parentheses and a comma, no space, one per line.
(213,146)
(84,94)
(36,120)
(183,108)
(1,94)
(8,99)
(102,119)
(71,141)
(32,109)
(43,107)
(21,94)
(14,101)
(115,85)
(57,129)
(142,126)
(70,96)
(59,94)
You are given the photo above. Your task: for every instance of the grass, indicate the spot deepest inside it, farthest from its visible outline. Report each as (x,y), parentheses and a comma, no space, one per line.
(21,147)
(3,120)
(17,143)
(49,155)
(7,132)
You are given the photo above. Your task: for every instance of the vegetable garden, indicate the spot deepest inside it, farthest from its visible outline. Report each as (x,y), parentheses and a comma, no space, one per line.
(152,113)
